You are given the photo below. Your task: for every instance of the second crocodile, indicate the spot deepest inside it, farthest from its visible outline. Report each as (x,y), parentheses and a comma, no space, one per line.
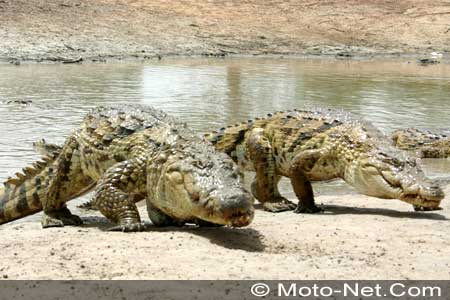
(312,145)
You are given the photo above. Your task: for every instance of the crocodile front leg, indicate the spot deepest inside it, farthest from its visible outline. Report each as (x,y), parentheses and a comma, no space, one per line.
(118,190)
(264,188)
(300,183)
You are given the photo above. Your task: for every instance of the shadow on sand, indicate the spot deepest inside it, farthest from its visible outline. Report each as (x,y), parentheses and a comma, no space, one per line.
(247,239)
(347,210)
(350,210)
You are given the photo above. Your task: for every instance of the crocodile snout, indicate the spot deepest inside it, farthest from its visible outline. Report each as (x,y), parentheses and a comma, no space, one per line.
(238,210)
(433,193)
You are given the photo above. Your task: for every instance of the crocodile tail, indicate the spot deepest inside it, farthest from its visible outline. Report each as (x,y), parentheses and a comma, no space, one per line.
(21,196)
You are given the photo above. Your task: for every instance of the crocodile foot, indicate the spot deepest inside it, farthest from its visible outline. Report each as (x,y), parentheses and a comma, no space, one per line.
(422,208)
(128,227)
(48,221)
(279,205)
(312,209)
(59,218)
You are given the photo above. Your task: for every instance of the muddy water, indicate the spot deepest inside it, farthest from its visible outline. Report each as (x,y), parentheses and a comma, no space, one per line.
(209,94)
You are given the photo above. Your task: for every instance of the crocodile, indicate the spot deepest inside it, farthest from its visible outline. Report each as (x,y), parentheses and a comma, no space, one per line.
(322,144)
(129,153)
(425,143)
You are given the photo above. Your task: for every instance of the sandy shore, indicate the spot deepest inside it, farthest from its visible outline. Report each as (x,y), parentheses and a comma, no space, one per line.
(356,238)
(100,30)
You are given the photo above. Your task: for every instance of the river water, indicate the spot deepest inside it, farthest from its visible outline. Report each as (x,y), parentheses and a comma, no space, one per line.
(211,93)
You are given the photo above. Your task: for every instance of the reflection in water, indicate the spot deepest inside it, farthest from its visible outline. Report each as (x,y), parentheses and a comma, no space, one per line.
(196,93)
(234,103)
(209,94)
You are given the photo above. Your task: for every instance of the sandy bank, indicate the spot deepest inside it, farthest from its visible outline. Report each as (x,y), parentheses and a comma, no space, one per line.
(61,30)
(357,238)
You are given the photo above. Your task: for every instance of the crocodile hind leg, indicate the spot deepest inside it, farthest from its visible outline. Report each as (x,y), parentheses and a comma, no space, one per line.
(45,148)
(276,192)
(117,192)
(300,183)
(264,188)
(67,182)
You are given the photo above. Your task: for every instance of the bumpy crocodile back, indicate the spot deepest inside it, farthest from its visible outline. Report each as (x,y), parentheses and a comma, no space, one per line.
(129,118)
(294,127)
(22,195)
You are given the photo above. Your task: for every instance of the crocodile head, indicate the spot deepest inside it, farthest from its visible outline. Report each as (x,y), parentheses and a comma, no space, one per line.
(197,183)
(386,176)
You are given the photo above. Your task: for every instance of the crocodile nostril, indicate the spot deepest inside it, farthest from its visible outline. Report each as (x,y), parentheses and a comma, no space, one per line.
(238,209)
(242,218)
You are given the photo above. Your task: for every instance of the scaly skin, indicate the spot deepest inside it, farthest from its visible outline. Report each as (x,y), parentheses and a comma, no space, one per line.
(129,153)
(425,143)
(322,145)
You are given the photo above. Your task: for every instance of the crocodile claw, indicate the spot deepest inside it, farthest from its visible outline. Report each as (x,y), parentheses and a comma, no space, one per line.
(279,206)
(128,227)
(60,218)
(48,222)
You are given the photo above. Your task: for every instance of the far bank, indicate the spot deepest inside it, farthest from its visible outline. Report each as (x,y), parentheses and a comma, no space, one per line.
(82,30)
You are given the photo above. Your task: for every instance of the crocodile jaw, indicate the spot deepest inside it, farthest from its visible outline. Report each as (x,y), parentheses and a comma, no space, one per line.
(384,181)
(234,208)
(206,189)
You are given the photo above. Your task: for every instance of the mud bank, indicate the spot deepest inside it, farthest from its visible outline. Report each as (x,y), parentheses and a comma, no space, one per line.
(101,30)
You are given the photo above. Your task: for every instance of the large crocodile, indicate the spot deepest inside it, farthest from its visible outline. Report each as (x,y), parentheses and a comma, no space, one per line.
(425,143)
(130,153)
(311,145)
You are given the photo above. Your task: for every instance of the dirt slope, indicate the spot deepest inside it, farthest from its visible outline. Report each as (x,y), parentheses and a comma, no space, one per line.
(101,29)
